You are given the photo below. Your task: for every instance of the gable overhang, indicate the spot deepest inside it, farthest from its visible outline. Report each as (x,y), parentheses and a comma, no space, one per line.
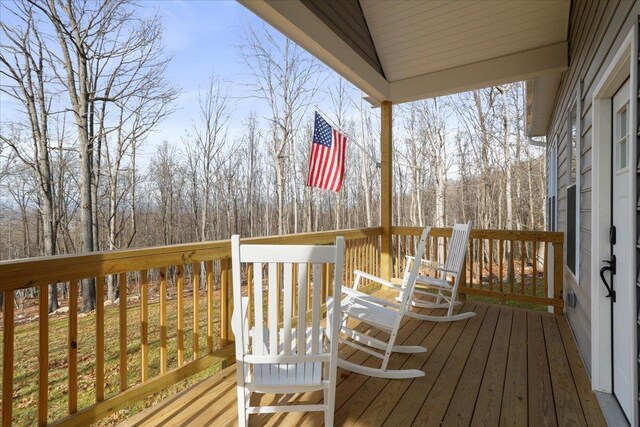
(469,56)
(293,19)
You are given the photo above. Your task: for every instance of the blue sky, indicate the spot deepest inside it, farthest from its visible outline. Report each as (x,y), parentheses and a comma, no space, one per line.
(202,37)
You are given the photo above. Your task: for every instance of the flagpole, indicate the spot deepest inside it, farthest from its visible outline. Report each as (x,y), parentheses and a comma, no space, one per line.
(355,141)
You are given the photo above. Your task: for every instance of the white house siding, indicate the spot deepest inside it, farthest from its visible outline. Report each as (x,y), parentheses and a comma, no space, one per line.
(597,29)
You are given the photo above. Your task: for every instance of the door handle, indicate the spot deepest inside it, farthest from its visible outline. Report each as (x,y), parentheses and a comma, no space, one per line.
(611,267)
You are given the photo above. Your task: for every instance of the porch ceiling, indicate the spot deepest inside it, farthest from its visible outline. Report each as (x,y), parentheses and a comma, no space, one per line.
(407,50)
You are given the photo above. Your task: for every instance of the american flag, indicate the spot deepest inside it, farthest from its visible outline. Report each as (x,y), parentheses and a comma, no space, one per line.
(326,162)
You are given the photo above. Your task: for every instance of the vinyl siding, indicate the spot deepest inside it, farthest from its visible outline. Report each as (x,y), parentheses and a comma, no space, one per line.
(597,29)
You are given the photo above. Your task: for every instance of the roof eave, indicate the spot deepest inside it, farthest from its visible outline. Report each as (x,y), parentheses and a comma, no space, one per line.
(298,23)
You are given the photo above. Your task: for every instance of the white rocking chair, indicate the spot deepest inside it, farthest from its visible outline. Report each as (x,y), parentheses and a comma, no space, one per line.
(383,315)
(283,355)
(442,291)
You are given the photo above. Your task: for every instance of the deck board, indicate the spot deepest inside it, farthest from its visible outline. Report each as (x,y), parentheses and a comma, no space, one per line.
(435,406)
(460,410)
(542,410)
(504,366)
(568,406)
(393,391)
(407,408)
(514,395)
(489,399)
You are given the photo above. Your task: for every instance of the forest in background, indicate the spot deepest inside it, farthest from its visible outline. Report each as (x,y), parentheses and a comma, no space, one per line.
(89,85)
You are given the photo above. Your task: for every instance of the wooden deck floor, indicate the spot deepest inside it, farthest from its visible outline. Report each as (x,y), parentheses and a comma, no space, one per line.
(503,366)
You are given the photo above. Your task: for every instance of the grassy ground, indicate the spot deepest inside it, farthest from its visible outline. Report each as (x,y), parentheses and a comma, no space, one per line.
(528,290)
(25,407)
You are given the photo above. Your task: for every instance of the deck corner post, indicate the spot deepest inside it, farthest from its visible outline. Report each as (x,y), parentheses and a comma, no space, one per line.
(386,188)
(558,275)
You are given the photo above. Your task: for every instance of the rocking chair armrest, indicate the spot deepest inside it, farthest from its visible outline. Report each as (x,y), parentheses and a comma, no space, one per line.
(376,279)
(369,298)
(433,265)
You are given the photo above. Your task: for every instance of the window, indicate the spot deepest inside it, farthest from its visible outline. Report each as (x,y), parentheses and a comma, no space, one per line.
(573,192)
(552,186)
(573,145)
(622,140)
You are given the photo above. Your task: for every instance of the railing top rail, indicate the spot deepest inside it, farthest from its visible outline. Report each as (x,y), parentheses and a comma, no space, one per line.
(527,235)
(29,272)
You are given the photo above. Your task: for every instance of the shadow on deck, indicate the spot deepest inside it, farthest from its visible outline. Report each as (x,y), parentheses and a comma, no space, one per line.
(504,366)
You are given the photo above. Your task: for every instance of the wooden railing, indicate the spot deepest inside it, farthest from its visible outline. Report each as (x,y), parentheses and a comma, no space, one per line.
(175,319)
(186,288)
(520,266)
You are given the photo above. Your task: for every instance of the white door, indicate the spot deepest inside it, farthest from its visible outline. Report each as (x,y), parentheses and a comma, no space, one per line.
(623,283)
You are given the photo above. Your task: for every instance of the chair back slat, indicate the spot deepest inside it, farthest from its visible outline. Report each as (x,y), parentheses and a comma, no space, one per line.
(458,246)
(303,285)
(288,306)
(259,346)
(315,316)
(411,273)
(274,290)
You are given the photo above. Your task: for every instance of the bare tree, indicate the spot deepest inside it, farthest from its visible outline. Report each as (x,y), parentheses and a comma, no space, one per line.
(22,54)
(206,142)
(287,78)
(109,56)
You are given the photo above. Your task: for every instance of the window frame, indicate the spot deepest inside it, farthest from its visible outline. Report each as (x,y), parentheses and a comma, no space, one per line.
(575,107)
(552,186)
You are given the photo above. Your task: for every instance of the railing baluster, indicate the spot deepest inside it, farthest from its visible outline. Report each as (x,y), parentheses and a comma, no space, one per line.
(471,257)
(180,313)
(501,266)
(523,256)
(396,273)
(545,270)
(490,263)
(210,312)
(512,268)
(122,306)
(100,338)
(224,302)
(372,256)
(163,320)
(445,247)
(348,261)
(481,261)
(43,354)
(360,260)
(535,267)
(144,325)
(195,284)
(463,277)
(73,346)
(7,357)
(557,273)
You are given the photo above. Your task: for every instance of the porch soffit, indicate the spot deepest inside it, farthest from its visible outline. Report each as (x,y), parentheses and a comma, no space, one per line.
(407,50)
